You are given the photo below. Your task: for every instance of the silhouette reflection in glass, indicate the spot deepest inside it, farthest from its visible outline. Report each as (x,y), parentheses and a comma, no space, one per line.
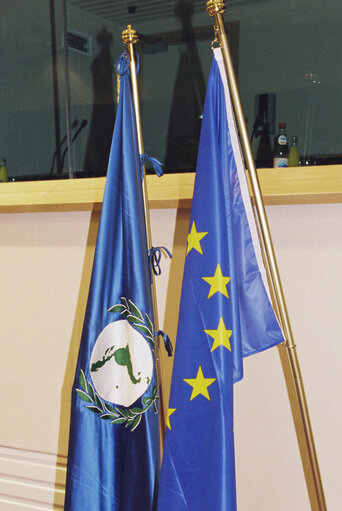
(187,102)
(102,118)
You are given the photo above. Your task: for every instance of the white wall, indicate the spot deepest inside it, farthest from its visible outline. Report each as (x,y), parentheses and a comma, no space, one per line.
(46,261)
(308,244)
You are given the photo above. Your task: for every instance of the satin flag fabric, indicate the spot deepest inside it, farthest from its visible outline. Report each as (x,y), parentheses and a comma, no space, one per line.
(114,434)
(225,314)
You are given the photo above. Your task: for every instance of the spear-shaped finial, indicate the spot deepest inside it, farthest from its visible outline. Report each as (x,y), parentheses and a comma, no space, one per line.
(216,7)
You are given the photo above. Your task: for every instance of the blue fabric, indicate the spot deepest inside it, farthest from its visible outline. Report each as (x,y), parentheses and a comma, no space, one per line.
(154,255)
(167,342)
(114,465)
(157,165)
(217,327)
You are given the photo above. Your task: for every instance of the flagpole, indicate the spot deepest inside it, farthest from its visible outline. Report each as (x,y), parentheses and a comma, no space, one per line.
(130,38)
(216,8)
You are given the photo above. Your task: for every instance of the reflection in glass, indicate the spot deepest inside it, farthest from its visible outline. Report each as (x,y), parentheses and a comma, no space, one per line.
(102,116)
(32,106)
(288,52)
(187,99)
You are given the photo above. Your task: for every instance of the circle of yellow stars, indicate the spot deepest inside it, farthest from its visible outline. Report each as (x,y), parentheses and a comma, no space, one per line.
(221,335)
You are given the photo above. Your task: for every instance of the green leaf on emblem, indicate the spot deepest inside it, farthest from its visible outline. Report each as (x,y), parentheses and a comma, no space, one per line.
(83,396)
(117,308)
(91,392)
(144,330)
(118,421)
(135,310)
(110,408)
(137,410)
(132,319)
(83,381)
(149,323)
(108,416)
(94,409)
(122,411)
(136,422)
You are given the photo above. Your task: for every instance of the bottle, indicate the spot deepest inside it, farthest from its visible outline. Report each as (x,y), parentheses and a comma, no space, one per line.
(281,149)
(294,154)
(264,156)
(3,171)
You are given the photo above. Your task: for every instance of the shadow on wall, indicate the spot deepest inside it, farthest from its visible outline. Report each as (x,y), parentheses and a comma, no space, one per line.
(102,118)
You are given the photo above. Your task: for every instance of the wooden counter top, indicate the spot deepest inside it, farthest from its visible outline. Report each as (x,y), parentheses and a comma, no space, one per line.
(299,185)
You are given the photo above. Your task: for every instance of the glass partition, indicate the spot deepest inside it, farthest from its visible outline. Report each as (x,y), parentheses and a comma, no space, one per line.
(32,87)
(57,113)
(174,59)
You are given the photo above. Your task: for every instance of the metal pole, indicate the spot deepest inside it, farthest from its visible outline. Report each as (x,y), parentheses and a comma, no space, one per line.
(216,8)
(67,89)
(130,38)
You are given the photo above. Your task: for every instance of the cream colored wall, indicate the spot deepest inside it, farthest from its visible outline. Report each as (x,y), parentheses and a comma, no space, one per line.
(46,259)
(308,243)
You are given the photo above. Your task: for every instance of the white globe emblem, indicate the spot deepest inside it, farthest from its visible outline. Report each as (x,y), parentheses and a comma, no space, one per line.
(121,364)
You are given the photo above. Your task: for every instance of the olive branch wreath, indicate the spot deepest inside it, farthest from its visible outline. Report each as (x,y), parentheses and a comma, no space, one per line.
(131,417)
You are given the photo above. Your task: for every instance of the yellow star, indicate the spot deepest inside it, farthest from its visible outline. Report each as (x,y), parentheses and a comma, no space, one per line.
(221,336)
(217,283)
(194,238)
(170,411)
(199,384)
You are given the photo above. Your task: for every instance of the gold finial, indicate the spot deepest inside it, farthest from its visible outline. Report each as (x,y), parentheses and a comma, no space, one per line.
(129,35)
(216,7)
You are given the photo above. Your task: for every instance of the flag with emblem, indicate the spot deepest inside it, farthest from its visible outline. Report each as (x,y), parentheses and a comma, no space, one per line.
(114,454)
(225,315)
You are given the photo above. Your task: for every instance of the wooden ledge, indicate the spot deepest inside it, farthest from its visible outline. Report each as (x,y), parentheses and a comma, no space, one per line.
(300,185)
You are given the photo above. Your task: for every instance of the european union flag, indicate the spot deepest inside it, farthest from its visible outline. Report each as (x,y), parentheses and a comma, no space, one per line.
(114,434)
(225,314)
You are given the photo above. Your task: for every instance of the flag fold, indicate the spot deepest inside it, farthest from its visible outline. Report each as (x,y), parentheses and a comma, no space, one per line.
(114,454)
(225,314)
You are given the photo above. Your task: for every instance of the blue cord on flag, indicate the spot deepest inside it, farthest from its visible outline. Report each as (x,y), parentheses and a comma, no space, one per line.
(156,164)
(167,342)
(154,257)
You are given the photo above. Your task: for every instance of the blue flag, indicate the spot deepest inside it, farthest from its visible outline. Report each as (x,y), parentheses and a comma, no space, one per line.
(225,314)
(114,454)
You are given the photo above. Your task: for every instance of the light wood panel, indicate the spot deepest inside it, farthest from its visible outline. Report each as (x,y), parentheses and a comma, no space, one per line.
(299,185)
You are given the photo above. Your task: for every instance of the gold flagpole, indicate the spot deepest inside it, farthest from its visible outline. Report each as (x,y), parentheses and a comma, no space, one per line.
(130,38)
(216,8)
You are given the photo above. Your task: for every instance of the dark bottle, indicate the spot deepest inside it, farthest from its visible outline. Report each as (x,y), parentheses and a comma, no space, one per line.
(281,148)
(264,152)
